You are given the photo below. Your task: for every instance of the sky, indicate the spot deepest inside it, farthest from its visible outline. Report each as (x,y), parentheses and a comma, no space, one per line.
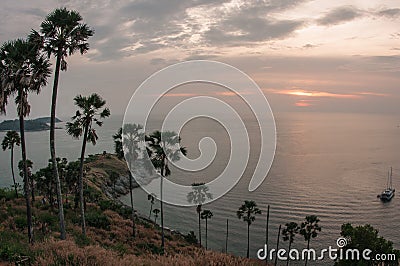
(305,55)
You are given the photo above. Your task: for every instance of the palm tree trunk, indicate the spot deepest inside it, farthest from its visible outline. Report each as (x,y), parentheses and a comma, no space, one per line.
(277,245)
(162,217)
(132,209)
(199,229)
(151,208)
(248,240)
(162,208)
(81,180)
(26,180)
(267,233)
(12,170)
(53,147)
(32,188)
(227,233)
(308,248)
(206,233)
(290,246)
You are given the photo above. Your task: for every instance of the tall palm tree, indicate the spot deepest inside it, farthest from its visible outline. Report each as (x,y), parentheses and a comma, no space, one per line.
(247,212)
(62,33)
(309,229)
(205,215)
(198,196)
(289,233)
(151,198)
(22,71)
(156,212)
(10,140)
(132,134)
(118,143)
(162,148)
(29,166)
(93,110)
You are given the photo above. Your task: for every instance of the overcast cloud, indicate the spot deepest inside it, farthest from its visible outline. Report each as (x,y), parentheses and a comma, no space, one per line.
(295,40)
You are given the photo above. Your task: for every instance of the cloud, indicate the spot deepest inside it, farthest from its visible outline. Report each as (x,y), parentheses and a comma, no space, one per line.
(370,64)
(317,94)
(339,15)
(252,23)
(390,13)
(309,46)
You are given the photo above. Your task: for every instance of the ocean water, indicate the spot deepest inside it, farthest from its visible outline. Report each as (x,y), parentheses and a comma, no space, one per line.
(331,165)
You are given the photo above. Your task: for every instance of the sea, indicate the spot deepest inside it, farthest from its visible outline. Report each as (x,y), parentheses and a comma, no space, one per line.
(332,165)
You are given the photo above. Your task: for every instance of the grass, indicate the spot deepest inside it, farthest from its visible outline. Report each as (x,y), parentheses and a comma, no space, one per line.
(108,240)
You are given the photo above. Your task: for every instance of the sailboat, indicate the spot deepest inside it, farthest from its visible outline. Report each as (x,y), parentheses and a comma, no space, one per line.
(388,193)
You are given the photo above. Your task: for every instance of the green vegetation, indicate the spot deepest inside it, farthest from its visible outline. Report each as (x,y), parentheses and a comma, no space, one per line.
(161,148)
(91,109)
(131,136)
(309,229)
(11,139)
(247,212)
(61,35)
(206,215)
(38,124)
(366,237)
(289,233)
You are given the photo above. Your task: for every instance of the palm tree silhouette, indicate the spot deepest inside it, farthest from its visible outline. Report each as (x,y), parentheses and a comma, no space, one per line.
(289,233)
(132,134)
(205,215)
(29,166)
(162,147)
(151,198)
(10,140)
(156,212)
(118,143)
(309,229)
(248,212)
(61,34)
(93,110)
(198,196)
(22,71)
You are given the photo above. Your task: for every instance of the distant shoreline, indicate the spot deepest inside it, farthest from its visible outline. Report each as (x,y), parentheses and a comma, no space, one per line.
(31,125)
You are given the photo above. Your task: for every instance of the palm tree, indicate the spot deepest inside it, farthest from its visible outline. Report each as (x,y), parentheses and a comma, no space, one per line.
(29,166)
(22,71)
(151,198)
(10,140)
(62,33)
(248,212)
(198,196)
(156,212)
(93,110)
(118,143)
(205,215)
(163,147)
(289,233)
(309,229)
(132,134)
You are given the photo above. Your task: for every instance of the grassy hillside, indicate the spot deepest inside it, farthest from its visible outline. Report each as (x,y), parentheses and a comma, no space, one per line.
(108,240)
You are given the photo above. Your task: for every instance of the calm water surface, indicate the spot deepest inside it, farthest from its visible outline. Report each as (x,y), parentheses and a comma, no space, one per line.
(329,165)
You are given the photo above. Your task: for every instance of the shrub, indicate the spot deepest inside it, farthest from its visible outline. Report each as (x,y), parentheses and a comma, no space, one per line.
(98,220)
(81,240)
(92,195)
(191,238)
(7,194)
(154,249)
(21,222)
(11,246)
